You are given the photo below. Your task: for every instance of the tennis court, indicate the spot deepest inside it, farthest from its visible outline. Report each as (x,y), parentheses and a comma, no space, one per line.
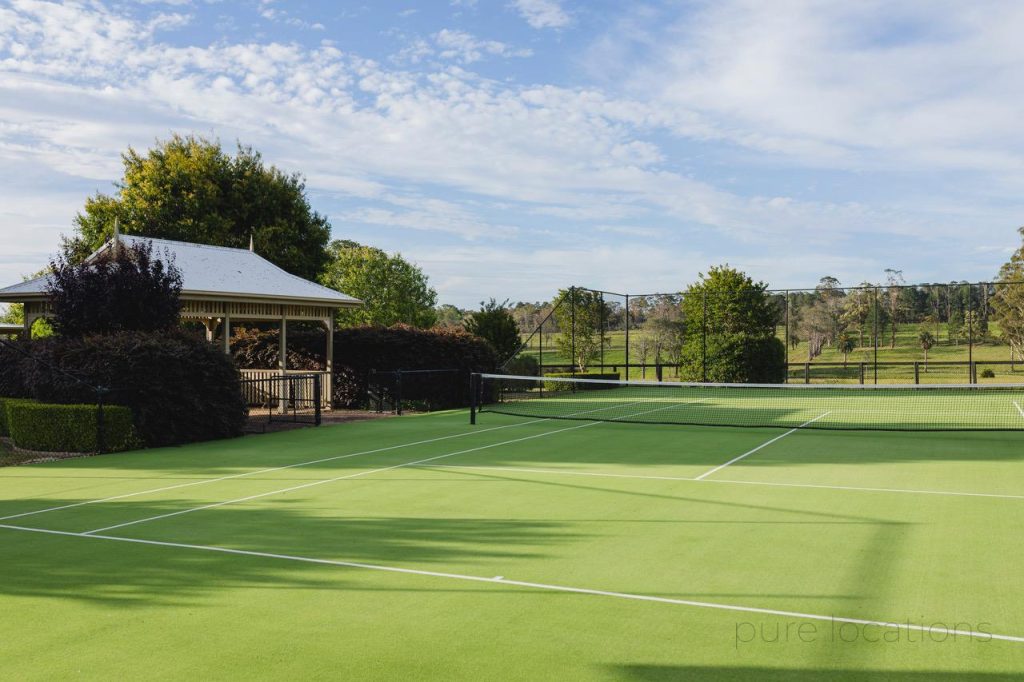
(555,537)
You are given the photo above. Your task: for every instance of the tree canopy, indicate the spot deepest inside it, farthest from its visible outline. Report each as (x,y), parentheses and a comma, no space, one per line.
(731,330)
(494,324)
(127,289)
(580,316)
(392,289)
(189,189)
(1008,302)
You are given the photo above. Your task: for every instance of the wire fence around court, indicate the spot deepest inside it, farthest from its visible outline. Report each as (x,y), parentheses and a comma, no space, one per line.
(926,333)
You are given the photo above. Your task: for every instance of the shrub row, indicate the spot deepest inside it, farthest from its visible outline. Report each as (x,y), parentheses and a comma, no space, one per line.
(68,428)
(5,405)
(358,350)
(178,388)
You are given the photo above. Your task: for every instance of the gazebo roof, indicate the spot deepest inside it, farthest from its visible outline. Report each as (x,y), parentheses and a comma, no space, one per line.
(213,272)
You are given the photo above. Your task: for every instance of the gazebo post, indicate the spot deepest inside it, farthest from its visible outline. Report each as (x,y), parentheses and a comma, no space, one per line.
(227,333)
(282,362)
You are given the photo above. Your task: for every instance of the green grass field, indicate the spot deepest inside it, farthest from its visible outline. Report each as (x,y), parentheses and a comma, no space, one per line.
(421,547)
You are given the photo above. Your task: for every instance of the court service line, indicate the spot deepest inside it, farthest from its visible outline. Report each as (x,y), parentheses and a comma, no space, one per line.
(1019,408)
(759,447)
(266,471)
(367,473)
(560,472)
(500,580)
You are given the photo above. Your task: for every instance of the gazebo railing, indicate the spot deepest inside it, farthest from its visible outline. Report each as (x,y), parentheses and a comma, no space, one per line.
(271,377)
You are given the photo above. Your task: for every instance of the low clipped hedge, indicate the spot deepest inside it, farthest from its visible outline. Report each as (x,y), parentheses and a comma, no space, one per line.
(68,428)
(5,404)
(568,386)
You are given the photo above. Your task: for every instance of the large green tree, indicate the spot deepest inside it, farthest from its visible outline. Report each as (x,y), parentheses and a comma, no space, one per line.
(494,324)
(1008,301)
(392,289)
(580,317)
(189,189)
(731,322)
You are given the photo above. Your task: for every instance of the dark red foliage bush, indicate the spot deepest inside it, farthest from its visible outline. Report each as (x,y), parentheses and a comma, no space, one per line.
(358,350)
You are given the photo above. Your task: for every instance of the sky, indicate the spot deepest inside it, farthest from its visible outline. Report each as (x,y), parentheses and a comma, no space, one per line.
(513,147)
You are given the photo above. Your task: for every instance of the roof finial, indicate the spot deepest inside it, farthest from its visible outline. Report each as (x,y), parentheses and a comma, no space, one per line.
(117,237)
(252,246)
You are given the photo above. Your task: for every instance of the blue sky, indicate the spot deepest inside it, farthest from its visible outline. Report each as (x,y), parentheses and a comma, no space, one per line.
(512,147)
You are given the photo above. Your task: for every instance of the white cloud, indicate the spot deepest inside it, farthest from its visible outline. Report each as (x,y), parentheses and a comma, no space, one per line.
(543,13)
(467,49)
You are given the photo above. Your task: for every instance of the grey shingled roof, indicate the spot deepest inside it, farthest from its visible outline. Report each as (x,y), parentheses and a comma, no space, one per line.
(216,271)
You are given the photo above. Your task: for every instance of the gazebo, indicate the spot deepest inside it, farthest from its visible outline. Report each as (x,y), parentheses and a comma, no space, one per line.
(221,286)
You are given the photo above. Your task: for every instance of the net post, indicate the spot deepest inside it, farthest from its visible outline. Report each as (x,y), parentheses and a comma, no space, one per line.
(807,372)
(917,372)
(474,384)
(862,373)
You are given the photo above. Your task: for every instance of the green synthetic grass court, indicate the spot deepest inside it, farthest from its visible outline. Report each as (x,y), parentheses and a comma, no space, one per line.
(422,547)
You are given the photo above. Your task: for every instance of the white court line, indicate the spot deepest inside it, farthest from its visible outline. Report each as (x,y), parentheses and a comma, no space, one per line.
(266,471)
(951,493)
(1019,408)
(762,445)
(501,580)
(335,479)
(288,466)
(367,473)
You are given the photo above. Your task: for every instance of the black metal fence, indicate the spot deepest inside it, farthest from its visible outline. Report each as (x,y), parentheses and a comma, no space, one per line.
(418,389)
(282,398)
(898,333)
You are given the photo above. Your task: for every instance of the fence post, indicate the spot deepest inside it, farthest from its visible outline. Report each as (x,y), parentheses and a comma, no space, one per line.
(970,328)
(703,342)
(398,393)
(101,427)
(917,372)
(657,369)
(786,380)
(862,372)
(807,372)
(572,317)
(875,333)
(627,337)
(316,400)
(474,382)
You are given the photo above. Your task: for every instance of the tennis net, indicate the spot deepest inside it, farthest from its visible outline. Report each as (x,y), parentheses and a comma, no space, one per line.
(929,407)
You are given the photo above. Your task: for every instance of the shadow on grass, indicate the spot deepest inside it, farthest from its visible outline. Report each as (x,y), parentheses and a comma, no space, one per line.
(97,569)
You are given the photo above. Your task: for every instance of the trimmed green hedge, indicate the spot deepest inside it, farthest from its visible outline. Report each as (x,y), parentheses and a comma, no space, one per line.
(68,428)
(5,403)
(567,386)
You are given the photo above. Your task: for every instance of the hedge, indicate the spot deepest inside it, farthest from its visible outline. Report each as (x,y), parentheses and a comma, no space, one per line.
(569,386)
(68,428)
(180,388)
(357,350)
(5,404)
